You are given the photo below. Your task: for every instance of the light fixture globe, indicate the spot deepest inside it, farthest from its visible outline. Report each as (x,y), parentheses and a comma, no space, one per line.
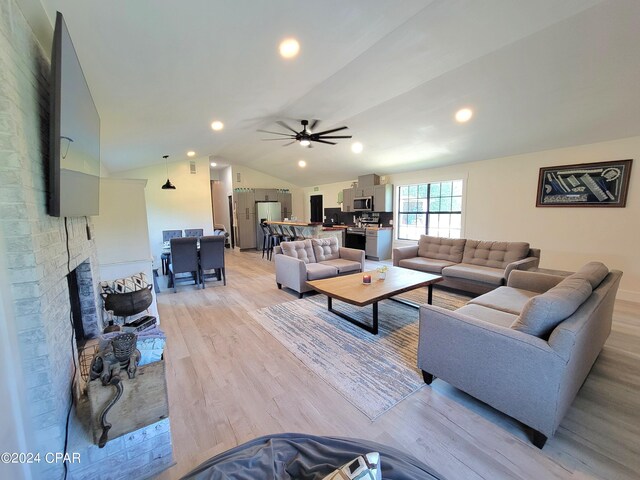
(304,142)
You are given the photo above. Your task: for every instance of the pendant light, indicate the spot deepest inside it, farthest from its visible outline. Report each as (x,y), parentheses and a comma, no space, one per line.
(168,185)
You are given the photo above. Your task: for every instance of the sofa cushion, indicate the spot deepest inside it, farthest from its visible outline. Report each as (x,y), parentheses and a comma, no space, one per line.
(508,299)
(300,249)
(425,264)
(479,273)
(439,248)
(494,254)
(343,265)
(490,315)
(592,272)
(542,313)
(316,271)
(325,248)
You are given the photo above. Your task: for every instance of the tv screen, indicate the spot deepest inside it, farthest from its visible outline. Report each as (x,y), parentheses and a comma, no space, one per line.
(74,172)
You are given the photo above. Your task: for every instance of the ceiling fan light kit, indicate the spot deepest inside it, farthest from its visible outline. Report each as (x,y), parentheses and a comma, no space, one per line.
(306,136)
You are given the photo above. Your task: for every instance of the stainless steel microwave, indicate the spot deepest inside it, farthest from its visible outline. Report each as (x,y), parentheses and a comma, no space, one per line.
(363,204)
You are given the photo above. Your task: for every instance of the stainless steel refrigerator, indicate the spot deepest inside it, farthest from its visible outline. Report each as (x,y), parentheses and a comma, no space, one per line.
(271,211)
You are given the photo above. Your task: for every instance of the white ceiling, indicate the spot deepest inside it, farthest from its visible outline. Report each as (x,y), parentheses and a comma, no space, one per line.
(539,75)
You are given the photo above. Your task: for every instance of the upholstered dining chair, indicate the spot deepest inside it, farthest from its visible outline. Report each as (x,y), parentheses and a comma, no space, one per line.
(184,259)
(212,257)
(169,234)
(193,232)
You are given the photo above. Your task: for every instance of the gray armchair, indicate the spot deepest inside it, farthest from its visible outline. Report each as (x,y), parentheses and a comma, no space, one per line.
(184,259)
(212,257)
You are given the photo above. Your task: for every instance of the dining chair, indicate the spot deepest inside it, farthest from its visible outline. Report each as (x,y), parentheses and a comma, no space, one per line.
(169,234)
(193,232)
(184,259)
(212,257)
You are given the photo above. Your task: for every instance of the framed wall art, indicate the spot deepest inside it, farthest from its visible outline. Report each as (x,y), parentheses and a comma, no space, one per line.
(600,184)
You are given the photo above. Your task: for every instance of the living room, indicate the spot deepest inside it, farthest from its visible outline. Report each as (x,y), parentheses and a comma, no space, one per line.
(229,378)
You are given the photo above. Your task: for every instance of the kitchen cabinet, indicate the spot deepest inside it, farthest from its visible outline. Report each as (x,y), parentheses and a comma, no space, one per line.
(266,194)
(245,216)
(378,243)
(362,192)
(347,199)
(286,204)
(383,198)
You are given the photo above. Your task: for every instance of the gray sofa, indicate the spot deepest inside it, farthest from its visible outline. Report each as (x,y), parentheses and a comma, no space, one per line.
(314,259)
(525,348)
(471,265)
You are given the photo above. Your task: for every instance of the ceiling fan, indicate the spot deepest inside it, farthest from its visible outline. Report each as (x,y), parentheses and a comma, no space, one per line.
(306,136)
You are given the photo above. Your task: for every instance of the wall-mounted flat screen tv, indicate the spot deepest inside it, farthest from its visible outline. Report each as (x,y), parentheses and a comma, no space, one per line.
(74,163)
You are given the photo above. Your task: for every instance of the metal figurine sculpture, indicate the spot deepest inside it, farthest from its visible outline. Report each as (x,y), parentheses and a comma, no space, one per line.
(120,352)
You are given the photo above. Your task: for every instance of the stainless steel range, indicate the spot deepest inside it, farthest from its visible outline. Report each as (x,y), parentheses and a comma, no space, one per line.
(356,236)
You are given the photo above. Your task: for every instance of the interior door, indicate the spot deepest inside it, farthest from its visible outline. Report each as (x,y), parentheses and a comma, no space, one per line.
(316,208)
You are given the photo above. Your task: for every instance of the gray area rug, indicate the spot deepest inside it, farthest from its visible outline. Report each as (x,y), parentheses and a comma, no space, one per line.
(373,372)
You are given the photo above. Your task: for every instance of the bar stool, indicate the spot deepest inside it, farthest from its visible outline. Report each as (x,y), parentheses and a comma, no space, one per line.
(274,240)
(265,239)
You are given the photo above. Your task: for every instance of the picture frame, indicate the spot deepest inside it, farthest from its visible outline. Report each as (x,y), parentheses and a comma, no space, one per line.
(599,184)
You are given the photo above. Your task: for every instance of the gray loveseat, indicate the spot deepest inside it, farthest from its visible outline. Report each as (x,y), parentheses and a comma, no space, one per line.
(525,348)
(314,259)
(471,265)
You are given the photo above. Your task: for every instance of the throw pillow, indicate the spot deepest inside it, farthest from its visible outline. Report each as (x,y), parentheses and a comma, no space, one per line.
(542,313)
(592,272)
(364,467)
(123,285)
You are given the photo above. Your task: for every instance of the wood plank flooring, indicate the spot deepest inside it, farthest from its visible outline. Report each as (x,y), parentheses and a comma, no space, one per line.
(230,381)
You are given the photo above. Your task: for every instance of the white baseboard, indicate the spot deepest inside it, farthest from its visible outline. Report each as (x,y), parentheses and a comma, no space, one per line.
(628,295)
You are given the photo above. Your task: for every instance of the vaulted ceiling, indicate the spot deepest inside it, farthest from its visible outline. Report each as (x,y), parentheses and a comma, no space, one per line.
(538,75)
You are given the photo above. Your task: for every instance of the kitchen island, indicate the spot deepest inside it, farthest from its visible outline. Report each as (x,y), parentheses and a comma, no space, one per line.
(314,229)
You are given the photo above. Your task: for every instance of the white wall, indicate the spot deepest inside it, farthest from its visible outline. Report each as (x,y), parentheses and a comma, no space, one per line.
(189,206)
(329,194)
(250,178)
(121,231)
(500,204)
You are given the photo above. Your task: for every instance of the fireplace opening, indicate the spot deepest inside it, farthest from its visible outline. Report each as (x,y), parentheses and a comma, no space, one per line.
(82,299)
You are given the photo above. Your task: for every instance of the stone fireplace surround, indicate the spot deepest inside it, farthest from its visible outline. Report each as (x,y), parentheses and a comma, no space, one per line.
(36,264)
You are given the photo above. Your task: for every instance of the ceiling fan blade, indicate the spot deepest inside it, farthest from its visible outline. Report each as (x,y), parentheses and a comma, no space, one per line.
(335,136)
(330,131)
(282,124)
(314,123)
(275,133)
(324,141)
(287,144)
(272,139)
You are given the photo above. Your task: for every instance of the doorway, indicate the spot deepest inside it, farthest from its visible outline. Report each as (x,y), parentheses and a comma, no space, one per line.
(316,208)
(231,224)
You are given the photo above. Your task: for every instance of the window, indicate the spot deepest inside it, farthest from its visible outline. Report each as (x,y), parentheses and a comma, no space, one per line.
(430,208)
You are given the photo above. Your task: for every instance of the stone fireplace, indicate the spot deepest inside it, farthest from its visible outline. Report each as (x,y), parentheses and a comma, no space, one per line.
(39,253)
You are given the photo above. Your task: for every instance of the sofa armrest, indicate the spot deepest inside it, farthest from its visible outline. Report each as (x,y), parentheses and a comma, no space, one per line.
(517,373)
(401,253)
(533,281)
(524,264)
(290,272)
(353,254)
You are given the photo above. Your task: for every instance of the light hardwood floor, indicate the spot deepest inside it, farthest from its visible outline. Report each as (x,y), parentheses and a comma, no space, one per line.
(230,381)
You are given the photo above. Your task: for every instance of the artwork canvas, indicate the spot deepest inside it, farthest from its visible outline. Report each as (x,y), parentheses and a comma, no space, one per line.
(601,184)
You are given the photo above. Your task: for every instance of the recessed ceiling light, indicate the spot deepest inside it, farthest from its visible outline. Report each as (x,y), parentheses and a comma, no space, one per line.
(191,153)
(217,125)
(464,115)
(289,48)
(302,163)
(356,147)
(305,143)
(214,164)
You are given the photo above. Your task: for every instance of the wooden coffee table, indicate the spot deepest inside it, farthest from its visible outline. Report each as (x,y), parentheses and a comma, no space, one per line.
(350,289)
